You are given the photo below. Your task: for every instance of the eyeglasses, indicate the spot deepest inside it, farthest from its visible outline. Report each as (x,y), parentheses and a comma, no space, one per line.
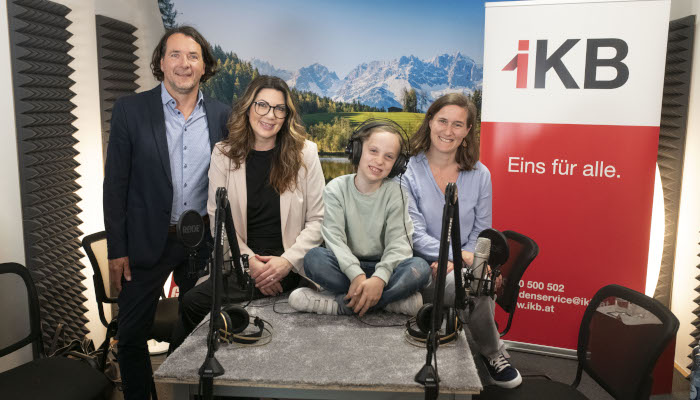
(262,109)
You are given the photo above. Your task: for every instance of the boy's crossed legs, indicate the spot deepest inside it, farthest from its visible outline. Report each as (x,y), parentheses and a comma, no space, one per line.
(401,293)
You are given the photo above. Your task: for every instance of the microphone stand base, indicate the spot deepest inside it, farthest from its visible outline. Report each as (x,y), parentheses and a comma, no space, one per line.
(211,368)
(207,372)
(426,376)
(429,379)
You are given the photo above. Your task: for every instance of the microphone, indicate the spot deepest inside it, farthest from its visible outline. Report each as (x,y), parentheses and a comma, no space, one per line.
(190,232)
(500,251)
(481,259)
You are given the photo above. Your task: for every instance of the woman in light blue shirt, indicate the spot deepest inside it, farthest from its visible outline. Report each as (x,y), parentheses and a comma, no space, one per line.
(445,149)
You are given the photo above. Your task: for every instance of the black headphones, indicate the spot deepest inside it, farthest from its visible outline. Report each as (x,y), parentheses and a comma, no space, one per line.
(422,321)
(354,147)
(233,320)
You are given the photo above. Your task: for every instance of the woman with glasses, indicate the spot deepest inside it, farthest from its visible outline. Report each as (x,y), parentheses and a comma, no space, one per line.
(275,187)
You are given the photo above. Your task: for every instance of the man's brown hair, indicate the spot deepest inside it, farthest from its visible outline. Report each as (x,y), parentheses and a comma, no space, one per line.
(210,64)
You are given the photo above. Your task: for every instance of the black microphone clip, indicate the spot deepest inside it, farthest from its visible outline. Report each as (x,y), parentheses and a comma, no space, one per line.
(243,274)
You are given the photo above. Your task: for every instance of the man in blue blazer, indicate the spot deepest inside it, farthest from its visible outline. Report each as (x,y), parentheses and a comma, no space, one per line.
(157,163)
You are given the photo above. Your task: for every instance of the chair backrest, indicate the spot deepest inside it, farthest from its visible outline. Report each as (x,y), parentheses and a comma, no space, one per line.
(95,247)
(622,335)
(20,303)
(522,251)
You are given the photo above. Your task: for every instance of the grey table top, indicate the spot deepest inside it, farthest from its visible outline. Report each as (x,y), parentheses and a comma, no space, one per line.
(310,351)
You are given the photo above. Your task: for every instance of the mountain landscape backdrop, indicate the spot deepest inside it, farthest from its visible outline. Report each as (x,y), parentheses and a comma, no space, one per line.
(380,84)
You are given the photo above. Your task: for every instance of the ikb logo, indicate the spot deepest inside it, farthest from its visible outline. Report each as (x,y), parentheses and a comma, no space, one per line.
(554,62)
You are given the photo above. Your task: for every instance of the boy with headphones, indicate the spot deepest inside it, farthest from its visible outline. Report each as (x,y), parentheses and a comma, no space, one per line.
(368,261)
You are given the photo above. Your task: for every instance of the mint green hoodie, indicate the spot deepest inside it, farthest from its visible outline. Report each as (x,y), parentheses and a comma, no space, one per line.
(366,226)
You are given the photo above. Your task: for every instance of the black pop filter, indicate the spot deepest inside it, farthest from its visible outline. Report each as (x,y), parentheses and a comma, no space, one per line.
(499,247)
(190,229)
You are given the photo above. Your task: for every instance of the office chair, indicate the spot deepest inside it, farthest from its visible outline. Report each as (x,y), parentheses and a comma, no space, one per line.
(95,247)
(43,377)
(522,251)
(622,335)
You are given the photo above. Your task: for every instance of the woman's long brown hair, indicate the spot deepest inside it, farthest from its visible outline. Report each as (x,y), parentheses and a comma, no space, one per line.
(287,157)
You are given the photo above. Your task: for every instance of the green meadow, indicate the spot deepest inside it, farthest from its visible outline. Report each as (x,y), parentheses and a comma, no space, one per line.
(408,121)
(331,131)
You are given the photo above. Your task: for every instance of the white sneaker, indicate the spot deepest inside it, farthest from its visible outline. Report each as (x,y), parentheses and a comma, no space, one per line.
(308,300)
(409,306)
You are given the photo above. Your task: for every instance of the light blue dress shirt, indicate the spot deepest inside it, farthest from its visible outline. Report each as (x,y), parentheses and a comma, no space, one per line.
(190,153)
(426,202)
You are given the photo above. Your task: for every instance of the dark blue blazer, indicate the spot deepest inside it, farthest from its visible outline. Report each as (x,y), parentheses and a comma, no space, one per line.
(138,189)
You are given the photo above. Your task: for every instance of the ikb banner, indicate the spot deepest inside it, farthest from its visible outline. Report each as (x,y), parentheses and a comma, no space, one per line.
(570,128)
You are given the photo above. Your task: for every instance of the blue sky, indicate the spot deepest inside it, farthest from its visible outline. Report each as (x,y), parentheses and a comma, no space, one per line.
(338,34)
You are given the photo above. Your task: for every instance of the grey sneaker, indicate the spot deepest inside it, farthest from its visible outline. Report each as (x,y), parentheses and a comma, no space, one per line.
(308,300)
(409,306)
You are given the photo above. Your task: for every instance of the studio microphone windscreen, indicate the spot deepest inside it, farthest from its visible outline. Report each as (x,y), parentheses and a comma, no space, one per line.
(481,258)
(190,229)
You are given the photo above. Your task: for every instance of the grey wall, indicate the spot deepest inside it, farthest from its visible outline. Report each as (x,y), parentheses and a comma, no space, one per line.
(687,244)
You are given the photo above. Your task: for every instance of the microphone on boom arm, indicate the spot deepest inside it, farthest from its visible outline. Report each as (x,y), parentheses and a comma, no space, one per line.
(211,367)
(190,232)
(430,317)
(223,221)
(470,282)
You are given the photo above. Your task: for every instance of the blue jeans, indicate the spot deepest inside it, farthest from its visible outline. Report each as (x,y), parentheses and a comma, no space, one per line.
(408,277)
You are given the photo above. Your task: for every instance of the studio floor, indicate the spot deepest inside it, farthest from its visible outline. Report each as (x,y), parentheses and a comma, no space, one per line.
(560,369)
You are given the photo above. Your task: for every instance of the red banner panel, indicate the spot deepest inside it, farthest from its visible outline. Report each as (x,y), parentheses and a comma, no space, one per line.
(579,192)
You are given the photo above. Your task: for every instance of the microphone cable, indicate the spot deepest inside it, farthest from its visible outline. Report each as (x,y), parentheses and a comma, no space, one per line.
(361,319)
(403,217)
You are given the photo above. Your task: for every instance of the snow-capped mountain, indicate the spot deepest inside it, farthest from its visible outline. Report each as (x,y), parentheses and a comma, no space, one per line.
(316,78)
(381,83)
(265,68)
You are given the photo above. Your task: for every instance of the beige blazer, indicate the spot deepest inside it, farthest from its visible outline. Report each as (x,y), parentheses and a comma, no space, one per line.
(301,210)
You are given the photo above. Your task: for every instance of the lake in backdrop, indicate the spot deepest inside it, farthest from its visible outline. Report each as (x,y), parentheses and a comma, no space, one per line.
(334,166)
